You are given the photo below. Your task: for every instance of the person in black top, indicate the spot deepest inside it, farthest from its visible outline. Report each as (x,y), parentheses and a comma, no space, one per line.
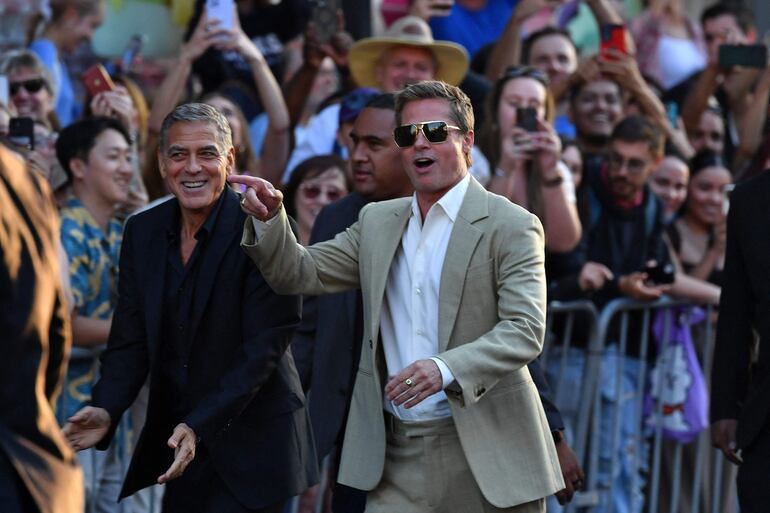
(226,425)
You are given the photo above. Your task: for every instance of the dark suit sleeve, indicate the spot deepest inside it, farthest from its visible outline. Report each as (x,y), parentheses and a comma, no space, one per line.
(303,342)
(729,374)
(125,362)
(268,321)
(555,422)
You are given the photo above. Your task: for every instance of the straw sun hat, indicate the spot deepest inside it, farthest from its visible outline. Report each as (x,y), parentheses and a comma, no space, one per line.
(365,54)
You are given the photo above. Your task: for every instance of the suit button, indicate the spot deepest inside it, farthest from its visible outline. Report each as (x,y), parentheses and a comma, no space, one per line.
(480,391)
(371,345)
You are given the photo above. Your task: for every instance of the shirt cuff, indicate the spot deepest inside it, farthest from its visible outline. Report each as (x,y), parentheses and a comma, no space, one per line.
(260,227)
(446,375)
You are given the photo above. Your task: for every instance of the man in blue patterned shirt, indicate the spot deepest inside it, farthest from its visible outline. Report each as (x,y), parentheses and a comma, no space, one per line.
(96,155)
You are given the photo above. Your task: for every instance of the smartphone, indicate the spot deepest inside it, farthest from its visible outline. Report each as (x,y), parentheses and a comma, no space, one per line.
(613,36)
(221,10)
(97,80)
(21,132)
(130,53)
(660,274)
(749,56)
(526,118)
(5,94)
(324,20)
(672,113)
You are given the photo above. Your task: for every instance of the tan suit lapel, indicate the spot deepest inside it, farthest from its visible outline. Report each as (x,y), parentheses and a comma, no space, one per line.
(462,244)
(387,238)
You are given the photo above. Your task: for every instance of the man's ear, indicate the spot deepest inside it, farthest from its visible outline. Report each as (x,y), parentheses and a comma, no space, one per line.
(161,165)
(468,139)
(231,161)
(78,168)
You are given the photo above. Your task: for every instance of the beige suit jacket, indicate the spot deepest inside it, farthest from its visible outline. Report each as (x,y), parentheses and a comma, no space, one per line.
(491,324)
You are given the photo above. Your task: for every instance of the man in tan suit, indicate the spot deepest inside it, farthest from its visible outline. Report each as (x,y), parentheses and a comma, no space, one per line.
(444,415)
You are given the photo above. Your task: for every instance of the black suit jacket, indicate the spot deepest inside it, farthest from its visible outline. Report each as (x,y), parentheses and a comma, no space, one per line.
(248,406)
(35,334)
(328,343)
(740,389)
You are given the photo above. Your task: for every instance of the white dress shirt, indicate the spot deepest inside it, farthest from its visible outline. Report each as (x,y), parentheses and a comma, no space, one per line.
(409,317)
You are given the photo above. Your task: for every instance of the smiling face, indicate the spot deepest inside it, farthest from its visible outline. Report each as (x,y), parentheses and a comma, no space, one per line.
(106,173)
(669,183)
(378,173)
(402,65)
(434,168)
(597,108)
(516,93)
(315,193)
(705,195)
(555,55)
(195,164)
(30,104)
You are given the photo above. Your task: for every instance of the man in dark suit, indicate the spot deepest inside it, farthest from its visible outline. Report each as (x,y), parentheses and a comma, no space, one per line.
(38,470)
(740,381)
(328,343)
(226,425)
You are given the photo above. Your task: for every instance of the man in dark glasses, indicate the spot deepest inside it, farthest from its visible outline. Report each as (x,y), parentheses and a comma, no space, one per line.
(453,291)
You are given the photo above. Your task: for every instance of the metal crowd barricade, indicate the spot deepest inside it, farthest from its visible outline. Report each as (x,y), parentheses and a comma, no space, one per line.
(586,440)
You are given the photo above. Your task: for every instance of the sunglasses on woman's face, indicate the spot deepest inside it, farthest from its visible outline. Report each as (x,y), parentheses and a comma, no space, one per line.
(434,131)
(312,191)
(32,86)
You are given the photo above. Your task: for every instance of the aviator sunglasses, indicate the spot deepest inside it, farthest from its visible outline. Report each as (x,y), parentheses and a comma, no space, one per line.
(434,131)
(32,85)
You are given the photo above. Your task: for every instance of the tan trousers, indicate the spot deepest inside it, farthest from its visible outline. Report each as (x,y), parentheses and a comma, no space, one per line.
(426,472)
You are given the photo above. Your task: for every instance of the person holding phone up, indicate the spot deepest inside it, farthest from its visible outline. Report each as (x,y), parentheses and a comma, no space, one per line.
(526,152)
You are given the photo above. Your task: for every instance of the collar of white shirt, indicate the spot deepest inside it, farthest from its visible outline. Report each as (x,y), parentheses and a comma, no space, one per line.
(450,202)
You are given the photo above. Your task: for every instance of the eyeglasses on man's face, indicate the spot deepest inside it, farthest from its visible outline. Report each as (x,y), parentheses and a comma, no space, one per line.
(434,131)
(634,166)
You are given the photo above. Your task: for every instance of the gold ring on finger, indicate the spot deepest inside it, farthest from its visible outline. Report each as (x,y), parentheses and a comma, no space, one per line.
(408,382)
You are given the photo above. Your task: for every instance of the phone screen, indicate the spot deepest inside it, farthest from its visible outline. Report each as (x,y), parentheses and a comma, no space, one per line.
(526,118)
(221,10)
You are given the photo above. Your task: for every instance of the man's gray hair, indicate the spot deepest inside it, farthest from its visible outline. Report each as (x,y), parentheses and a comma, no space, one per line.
(194,112)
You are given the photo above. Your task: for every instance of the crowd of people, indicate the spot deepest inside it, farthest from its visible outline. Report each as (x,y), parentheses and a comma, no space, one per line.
(303,257)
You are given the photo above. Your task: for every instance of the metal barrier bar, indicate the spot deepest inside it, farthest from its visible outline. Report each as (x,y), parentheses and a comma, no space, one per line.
(590,410)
